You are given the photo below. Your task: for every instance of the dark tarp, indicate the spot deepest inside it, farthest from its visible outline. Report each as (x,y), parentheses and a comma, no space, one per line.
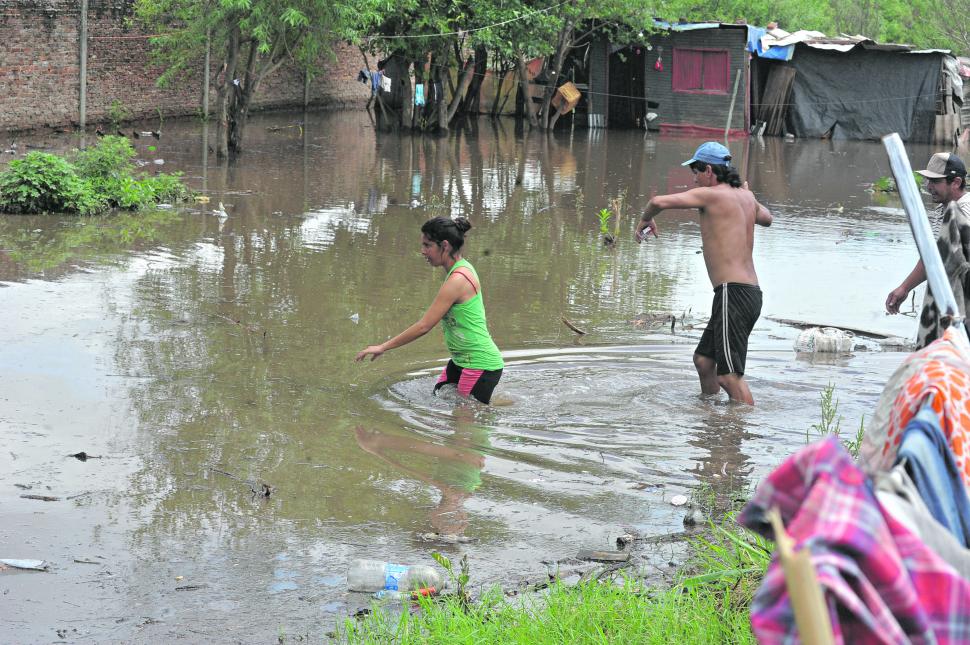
(863,94)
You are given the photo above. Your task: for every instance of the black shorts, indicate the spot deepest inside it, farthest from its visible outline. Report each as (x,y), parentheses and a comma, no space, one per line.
(734,312)
(476,383)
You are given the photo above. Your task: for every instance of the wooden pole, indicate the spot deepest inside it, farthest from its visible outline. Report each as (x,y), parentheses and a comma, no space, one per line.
(808,603)
(734,96)
(83,53)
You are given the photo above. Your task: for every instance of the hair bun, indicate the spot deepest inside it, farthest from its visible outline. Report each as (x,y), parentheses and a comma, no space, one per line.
(463,224)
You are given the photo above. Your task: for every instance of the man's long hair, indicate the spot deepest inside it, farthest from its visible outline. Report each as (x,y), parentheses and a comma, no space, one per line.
(723,174)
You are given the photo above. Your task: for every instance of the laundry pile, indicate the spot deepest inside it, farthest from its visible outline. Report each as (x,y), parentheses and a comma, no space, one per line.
(888,536)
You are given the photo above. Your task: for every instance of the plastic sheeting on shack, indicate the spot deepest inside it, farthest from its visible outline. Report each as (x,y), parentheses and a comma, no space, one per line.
(864,93)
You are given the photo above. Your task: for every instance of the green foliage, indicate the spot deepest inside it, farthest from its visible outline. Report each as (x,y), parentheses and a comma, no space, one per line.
(118,113)
(709,605)
(604,217)
(112,157)
(44,183)
(831,423)
(251,39)
(109,169)
(459,580)
(91,181)
(884,185)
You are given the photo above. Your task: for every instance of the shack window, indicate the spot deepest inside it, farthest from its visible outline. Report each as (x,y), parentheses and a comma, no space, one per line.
(701,71)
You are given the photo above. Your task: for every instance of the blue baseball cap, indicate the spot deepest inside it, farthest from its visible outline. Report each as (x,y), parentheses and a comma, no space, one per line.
(711,152)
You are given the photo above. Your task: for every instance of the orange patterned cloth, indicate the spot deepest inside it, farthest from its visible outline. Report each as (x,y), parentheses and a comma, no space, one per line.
(941,369)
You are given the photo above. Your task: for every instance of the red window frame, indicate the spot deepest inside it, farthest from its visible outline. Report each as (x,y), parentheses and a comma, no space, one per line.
(701,70)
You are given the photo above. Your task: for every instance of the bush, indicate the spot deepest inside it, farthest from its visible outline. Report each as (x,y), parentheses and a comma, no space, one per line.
(44,183)
(94,180)
(110,159)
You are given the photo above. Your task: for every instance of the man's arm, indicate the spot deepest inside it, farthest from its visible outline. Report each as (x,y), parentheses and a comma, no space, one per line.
(693,198)
(898,295)
(763,216)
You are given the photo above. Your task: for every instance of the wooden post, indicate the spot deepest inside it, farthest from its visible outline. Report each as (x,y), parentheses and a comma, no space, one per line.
(306,88)
(734,96)
(808,602)
(83,53)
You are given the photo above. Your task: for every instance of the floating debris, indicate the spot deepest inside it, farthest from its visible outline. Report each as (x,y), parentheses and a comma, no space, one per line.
(572,327)
(32,565)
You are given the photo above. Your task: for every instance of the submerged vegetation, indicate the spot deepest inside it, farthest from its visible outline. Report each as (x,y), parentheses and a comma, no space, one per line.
(831,423)
(86,182)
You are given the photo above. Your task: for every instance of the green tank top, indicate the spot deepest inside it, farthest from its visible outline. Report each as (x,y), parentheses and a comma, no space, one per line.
(466,332)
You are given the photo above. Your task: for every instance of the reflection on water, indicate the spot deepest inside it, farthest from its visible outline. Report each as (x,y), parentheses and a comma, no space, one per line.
(226,346)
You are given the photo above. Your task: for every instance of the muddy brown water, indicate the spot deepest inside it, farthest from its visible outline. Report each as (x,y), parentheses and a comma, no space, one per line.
(225,345)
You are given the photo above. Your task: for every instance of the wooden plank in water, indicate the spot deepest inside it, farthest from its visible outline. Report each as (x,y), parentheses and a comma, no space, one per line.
(802,324)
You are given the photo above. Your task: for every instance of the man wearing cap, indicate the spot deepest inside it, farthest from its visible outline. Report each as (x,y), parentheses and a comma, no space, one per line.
(728,213)
(946,177)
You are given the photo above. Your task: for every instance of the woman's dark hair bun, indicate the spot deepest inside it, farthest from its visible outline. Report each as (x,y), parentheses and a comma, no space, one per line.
(463,224)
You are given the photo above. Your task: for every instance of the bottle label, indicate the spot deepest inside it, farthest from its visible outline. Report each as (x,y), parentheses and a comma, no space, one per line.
(393,574)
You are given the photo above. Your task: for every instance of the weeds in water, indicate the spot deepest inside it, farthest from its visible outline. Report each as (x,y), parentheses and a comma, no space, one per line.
(831,423)
(884,185)
(604,217)
(458,580)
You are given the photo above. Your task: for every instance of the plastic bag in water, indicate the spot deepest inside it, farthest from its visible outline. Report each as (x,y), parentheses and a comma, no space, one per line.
(825,340)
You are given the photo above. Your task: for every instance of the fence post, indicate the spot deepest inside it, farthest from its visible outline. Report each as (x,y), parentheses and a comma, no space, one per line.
(83,54)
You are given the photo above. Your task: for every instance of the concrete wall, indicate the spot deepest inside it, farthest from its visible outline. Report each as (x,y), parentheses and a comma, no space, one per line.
(40,69)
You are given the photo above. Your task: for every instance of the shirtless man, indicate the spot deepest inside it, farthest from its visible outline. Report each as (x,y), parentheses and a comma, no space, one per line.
(728,213)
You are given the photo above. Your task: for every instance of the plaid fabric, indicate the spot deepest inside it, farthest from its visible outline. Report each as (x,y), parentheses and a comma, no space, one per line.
(880,582)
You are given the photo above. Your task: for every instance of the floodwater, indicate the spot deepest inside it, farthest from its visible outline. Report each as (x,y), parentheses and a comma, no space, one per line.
(219,354)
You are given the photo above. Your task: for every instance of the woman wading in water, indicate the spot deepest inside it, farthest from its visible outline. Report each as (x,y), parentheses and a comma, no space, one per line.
(476,364)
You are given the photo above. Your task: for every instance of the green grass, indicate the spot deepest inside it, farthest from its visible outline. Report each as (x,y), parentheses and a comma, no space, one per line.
(710,605)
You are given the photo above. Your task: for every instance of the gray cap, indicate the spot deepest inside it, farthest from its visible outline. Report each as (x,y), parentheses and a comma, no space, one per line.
(943,165)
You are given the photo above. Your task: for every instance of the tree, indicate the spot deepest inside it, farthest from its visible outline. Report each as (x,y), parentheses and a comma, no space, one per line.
(952,20)
(255,38)
(576,23)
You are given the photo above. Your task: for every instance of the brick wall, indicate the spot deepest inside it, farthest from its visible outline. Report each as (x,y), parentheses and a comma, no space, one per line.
(40,68)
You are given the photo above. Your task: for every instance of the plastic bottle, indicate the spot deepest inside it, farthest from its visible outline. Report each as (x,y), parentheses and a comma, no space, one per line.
(374,575)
